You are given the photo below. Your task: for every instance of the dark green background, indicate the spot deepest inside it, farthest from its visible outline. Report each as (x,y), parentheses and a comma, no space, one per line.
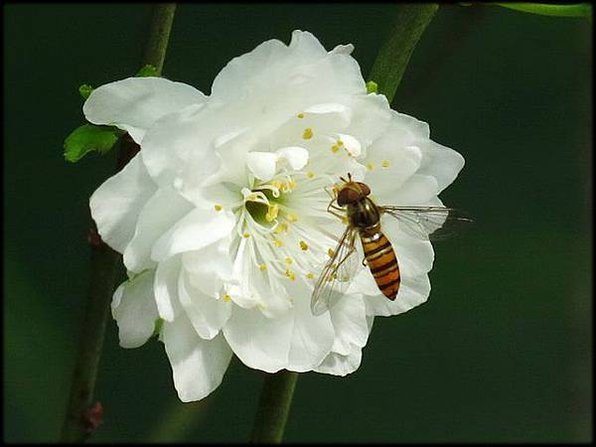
(502,350)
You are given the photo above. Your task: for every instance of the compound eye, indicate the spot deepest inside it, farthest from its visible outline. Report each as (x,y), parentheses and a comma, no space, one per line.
(364,188)
(347,195)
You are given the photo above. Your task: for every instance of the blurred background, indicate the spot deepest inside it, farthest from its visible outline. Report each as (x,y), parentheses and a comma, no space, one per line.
(501,352)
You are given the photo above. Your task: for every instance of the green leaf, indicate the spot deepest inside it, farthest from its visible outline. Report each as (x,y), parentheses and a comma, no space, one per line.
(146,71)
(88,138)
(85,90)
(549,9)
(371,87)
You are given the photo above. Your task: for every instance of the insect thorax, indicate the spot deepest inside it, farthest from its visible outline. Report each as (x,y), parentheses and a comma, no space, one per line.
(363,213)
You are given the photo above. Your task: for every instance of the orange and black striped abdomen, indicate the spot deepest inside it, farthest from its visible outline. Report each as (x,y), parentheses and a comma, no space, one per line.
(381,261)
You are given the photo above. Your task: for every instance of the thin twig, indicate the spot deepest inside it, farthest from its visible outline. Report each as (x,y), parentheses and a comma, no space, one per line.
(83,416)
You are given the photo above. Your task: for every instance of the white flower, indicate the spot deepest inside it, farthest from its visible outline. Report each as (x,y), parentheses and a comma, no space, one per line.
(221,218)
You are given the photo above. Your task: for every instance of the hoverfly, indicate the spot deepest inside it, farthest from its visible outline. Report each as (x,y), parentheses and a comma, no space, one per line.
(351,203)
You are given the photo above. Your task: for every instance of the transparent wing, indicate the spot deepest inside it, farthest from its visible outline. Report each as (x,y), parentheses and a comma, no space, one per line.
(336,274)
(429,222)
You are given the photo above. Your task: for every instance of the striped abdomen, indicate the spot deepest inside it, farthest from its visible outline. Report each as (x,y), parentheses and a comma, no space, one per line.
(381,260)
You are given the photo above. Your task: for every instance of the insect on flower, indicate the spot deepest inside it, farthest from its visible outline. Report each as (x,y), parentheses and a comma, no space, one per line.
(352,204)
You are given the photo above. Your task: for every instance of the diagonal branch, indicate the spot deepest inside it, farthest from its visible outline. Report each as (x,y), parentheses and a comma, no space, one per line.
(82,417)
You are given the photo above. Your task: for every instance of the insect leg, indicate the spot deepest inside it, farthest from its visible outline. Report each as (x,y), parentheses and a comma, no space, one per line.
(331,207)
(331,192)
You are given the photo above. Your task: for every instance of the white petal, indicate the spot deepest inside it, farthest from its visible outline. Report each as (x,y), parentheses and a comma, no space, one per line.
(116,204)
(414,254)
(262,164)
(295,156)
(341,365)
(134,104)
(198,365)
(351,144)
(307,44)
(413,291)
(166,288)
(302,74)
(326,108)
(158,215)
(180,146)
(297,341)
(196,230)
(209,268)
(348,317)
(343,49)
(259,342)
(255,287)
(207,314)
(417,190)
(440,162)
(312,337)
(371,119)
(393,161)
(133,308)
(229,83)
(364,283)
(418,130)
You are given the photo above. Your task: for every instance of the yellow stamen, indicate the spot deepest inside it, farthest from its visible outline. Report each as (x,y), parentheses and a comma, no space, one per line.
(227,298)
(277,243)
(307,134)
(288,260)
(281,227)
(285,187)
(310,275)
(385,163)
(262,267)
(290,274)
(310,174)
(331,252)
(218,207)
(246,235)
(292,217)
(370,166)
(339,143)
(300,115)
(303,245)
(334,148)
(272,212)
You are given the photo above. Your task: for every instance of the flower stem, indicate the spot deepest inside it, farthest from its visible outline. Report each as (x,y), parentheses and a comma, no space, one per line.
(159,36)
(274,407)
(387,72)
(392,60)
(82,416)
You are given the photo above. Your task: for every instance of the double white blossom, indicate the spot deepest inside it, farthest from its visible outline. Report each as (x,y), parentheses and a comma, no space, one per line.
(221,218)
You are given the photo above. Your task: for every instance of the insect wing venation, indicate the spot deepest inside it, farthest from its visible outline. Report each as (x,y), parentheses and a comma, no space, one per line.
(336,274)
(428,222)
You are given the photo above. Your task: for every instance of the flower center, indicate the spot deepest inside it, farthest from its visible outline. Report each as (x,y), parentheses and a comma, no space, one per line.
(265,201)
